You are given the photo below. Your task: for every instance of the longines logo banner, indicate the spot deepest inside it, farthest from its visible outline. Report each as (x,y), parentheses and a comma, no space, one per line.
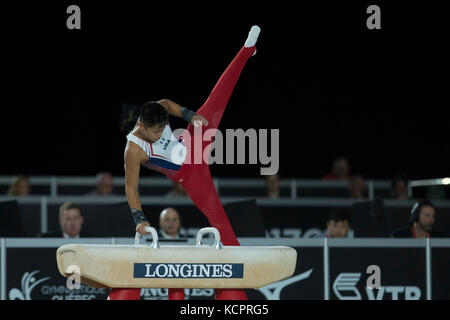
(188,270)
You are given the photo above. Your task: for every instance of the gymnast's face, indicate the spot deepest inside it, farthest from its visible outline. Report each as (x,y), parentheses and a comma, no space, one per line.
(152,133)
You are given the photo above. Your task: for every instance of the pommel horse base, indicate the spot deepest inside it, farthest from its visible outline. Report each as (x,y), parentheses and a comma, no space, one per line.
(174,266)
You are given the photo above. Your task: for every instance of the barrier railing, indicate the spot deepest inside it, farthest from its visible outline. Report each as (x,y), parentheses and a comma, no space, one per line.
(326,269)
(55,182)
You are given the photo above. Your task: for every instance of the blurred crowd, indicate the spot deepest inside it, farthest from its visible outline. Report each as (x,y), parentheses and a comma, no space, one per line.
(338,224)
(340,171)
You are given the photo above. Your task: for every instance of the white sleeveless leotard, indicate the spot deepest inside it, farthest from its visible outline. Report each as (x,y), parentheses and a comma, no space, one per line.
(166,155)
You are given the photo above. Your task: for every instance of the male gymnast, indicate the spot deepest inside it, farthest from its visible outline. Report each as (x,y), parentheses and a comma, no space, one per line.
(152,144)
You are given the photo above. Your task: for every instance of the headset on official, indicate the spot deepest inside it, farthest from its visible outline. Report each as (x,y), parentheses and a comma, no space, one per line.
(415,211)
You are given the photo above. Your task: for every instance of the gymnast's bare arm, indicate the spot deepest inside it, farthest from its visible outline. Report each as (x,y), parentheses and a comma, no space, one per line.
(133,157)
(174,109)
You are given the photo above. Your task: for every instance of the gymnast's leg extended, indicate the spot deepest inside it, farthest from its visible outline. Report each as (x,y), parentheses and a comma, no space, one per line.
(214,106)
(196,178)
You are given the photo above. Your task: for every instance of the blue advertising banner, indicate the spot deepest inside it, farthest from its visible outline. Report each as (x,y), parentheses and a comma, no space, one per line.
(188,270)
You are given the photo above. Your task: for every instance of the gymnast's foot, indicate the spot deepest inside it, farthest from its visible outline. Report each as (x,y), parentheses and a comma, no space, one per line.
(252,37)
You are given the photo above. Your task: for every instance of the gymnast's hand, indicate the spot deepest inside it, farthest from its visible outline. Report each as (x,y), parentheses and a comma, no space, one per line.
(197,120)
(141,227)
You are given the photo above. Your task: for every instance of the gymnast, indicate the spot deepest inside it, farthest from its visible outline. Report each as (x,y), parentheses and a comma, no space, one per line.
(151,143)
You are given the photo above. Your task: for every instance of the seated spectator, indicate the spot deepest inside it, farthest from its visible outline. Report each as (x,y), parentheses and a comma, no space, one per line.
(70,221)
(399,187)
(357,187)
(340,170)
(20,186)
(421,222)
(169,224)
(177,191)
(338,224)
(104,185)
(273,184)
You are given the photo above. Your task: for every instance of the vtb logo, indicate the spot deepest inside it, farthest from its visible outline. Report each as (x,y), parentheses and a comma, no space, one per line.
(188,270)
(345,288)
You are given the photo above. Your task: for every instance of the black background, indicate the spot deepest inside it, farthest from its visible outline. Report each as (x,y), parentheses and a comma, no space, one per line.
(440,281)
(329,84)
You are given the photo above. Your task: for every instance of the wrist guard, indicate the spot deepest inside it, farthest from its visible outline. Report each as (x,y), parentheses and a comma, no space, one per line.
(138,216)
(187,114)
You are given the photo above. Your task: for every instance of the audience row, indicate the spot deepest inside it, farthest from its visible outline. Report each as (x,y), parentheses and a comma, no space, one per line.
(421,223)
(357,188)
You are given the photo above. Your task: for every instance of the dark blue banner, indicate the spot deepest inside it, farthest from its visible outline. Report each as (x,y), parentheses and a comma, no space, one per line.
(188,270)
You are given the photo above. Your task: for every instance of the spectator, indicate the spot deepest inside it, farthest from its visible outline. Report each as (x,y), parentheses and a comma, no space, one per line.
(177,191)
(399,187)
(70,221)
(104,185)
(421,222)
(340,170)
(357,187)
(338,224)
(273,184)
(20,186)
(169,224)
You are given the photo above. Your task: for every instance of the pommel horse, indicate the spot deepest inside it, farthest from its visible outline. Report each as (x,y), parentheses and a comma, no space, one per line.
(176,266)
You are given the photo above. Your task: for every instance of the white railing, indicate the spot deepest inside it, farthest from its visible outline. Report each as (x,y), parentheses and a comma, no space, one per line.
(295,185)
(54,182)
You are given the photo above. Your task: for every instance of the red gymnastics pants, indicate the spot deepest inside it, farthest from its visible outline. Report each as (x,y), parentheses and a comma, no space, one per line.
(197,181)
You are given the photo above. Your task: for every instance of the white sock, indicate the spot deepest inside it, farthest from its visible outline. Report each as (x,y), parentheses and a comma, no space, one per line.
(252,37)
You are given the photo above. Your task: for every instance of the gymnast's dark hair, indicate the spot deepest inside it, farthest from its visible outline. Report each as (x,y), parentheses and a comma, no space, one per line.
(152,113)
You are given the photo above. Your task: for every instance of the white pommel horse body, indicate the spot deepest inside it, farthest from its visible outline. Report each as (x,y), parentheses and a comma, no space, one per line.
(174,266)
